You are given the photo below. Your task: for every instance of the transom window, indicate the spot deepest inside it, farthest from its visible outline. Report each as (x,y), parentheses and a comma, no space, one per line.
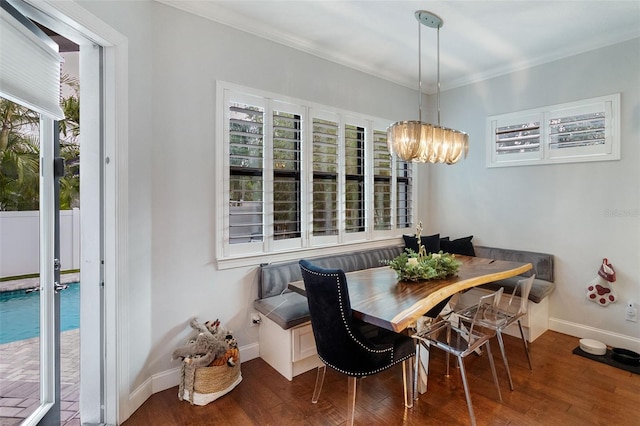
(296,175)
(587,130)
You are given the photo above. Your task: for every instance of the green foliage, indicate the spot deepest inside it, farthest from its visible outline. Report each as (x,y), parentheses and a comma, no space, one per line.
(20,154)
(430,267)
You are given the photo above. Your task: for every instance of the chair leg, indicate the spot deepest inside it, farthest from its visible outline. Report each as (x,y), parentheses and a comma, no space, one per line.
(421,370)
(467,394)
(416,372)
(504,357)
(493,370)
(351,399)
(319,380)
(407,376)
(526,346)
(447,354)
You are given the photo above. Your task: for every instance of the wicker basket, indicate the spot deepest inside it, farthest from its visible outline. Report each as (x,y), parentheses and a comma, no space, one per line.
(202,385)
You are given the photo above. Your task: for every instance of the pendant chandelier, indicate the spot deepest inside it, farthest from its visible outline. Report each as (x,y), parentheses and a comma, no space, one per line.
(422,142)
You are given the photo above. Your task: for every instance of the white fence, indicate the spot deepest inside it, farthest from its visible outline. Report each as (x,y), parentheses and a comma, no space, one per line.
(20,242)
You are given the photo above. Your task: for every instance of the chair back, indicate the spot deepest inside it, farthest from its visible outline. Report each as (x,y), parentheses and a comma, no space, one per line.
(525,288)
(339,342)
(488,311)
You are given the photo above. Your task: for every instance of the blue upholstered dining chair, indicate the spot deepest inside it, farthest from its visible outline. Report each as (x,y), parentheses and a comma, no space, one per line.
(505,316)
(340,341)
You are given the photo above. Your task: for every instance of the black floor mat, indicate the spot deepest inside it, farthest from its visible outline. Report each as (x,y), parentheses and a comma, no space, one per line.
(607,359)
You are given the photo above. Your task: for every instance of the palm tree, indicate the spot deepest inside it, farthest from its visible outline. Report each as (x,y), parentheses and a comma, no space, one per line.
(19,157)
(20,152)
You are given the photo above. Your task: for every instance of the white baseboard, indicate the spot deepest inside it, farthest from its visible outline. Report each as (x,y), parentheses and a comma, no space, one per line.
(170,378)
(609,338)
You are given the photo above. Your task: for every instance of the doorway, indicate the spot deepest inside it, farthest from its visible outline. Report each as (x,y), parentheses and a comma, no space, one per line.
(103,69)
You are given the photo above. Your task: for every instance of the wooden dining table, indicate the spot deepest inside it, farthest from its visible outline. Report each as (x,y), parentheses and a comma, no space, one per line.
(380,298)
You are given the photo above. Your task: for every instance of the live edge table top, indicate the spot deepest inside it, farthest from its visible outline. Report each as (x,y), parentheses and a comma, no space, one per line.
(378,298)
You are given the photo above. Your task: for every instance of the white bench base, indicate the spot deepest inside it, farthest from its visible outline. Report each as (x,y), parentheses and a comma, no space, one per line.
(291,352)
(534,323)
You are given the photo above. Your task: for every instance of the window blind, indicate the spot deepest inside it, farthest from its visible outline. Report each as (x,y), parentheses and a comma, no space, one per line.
(523,137)
(585,130)
(404,201)
(577,130)
(29,64)
(381,181)
(325,177)
(286,175)
(246,132)
(354,140)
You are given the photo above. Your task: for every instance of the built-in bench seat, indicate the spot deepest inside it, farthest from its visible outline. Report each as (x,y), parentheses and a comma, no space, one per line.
(536,321)
(285,336)
(288,309)
(543,284)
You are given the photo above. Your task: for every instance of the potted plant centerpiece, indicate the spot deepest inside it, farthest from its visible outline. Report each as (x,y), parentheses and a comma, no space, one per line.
(423,266)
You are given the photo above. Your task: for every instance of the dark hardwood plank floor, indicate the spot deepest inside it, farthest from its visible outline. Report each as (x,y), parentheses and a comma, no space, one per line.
(563,389)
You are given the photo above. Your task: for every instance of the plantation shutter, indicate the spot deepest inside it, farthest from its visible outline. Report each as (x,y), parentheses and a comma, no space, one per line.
(287,137)
(516,138)
(29,64)
(246,146)
(523,137)
(354,178)
(585,130)
(581,131)
(325,135)
(404,189)
(381,181)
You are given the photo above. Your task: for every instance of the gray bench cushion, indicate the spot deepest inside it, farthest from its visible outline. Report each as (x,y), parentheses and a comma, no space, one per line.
(539,289)
(542,266)
(288,309)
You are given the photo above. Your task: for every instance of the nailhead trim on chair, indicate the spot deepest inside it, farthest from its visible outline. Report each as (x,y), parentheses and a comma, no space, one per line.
(344,320)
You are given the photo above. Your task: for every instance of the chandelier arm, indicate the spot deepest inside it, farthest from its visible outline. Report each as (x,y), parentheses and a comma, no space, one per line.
(420,70)
(438,72)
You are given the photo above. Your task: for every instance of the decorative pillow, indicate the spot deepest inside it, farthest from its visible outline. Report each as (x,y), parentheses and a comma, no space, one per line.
(431,243)
(459,246)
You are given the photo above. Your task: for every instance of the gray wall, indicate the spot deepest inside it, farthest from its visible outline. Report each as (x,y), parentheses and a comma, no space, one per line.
(580,212)
(174,62)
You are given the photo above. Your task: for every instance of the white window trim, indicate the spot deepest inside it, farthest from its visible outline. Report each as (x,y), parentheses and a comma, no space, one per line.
(608,152)
(228,256)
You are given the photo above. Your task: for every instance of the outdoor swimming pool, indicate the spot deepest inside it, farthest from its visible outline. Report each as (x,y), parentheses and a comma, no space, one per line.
(20,313)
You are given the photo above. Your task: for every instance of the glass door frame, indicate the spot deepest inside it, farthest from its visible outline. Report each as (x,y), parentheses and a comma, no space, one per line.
(48,412)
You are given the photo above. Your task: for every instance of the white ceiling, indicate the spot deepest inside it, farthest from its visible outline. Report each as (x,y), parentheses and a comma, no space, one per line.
(479,39)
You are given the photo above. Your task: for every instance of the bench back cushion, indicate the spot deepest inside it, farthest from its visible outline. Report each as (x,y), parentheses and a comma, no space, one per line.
(542,262)
(275,277)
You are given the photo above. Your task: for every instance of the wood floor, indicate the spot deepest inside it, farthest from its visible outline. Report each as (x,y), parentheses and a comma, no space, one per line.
(563,389)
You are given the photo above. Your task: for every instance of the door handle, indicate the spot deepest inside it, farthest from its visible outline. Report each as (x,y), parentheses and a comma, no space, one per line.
(57,287)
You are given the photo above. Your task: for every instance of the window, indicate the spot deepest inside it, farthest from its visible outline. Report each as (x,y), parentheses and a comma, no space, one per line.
(325,177)
(354,177)
(246,135)
(404,194)
(586,130)
(381,181)
(294,175)
(287,137)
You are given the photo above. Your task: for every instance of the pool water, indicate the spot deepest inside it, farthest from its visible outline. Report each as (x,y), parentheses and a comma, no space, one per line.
(20,313)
